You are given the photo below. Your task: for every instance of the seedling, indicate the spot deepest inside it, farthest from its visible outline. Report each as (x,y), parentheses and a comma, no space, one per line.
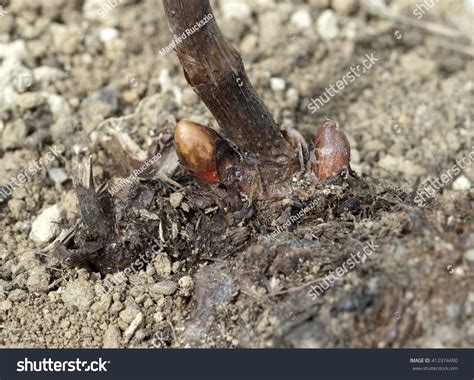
(267,157)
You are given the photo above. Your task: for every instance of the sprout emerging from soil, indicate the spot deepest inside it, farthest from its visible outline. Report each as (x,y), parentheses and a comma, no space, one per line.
(215,71)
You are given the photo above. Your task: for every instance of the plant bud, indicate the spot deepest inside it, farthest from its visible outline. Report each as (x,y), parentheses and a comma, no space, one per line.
(196,146)
(332,152)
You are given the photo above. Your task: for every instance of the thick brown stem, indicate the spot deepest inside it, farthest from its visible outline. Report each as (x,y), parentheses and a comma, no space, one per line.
(215,71)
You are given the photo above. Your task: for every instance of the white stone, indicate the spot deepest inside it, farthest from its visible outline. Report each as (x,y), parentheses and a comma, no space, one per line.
(236,9)
(461,183)
(301,19)
(46,225)
(58,175)
(14,78)
(375,6)
(127,335)
(57,104)
(8,97)
(108,34)
(327,25)
(13,51)
(176,199)
(470,255)
(186,283)
(277,84)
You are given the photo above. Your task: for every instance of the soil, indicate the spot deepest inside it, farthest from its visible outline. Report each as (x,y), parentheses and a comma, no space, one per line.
(76,76)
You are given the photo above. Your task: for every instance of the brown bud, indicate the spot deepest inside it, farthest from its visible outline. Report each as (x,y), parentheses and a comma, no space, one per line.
(332,152)
(197,147)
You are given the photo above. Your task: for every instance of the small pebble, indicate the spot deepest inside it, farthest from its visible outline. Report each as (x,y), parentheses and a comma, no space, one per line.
(129,314)
(327,25)
(158,316)
(175,199)
(185,206)
(57,175)
(461,183)
(46,226)
(127,335)
(162,264)
(17,295)
(470,255)
(108,34)
(30,100)
(277,84)
(186,283)
(166,287)
(236,10)
(301,19)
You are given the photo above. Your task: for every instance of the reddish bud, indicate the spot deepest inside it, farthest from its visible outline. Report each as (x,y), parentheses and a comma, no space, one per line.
(332,152)
(200,148)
